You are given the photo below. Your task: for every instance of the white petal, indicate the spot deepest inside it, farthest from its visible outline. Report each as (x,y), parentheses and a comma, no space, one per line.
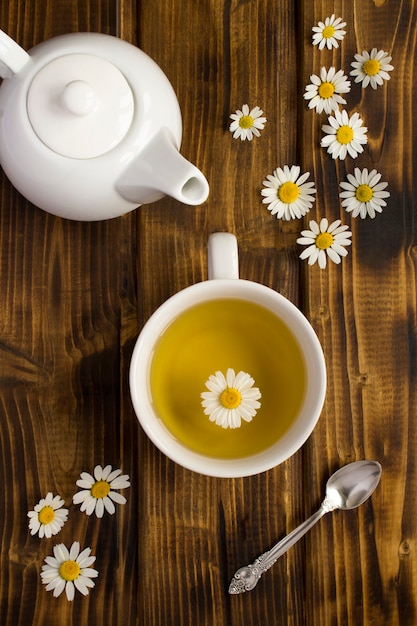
(305,241)
(34,527)
(80,496)
(50,560)
(74,550)
(51,582)
(106,471)
(308,252)
(339,248)
(218,382)
(230,377)
(314,255)
(117,497)
(324,224)
(58,587)
(90,505)
(84,555)
(70,590)
(88,477)
(294,173)
(121,482)
(61,553)
(85,566)
(89,573)
(98,472)
(109,506)
(327,141)
(99,507)
(333,255)
(50,577)
(303,178)
(243,380)
(81,586)
(322,260)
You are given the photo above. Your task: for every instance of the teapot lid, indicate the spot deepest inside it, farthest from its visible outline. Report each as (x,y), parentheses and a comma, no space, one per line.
(80,105)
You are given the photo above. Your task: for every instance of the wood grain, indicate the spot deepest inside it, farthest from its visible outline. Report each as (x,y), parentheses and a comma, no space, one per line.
(365,315)
(68,313)
(73,297)
(231,65)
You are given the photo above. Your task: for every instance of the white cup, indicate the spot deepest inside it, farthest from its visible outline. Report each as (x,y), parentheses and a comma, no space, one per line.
(224,282)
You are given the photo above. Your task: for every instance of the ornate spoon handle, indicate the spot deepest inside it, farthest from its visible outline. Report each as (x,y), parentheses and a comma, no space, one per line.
(247,577)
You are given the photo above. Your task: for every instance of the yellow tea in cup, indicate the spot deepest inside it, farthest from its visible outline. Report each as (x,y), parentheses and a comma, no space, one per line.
(213,336)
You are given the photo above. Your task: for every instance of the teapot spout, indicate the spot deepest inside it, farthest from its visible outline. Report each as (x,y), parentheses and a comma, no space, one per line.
(12,57)
(161,170)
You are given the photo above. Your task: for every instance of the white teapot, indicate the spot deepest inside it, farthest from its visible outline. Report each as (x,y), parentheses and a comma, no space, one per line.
(90,128)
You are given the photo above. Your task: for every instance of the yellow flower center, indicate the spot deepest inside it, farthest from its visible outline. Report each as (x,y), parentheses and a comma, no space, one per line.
(364,193)
(326,90)
(100,489)
(324,240)
(344,134)
(371,67)
(230,398)
(328,32)
(69,570)
(246,121)
(288,192)
(46,515)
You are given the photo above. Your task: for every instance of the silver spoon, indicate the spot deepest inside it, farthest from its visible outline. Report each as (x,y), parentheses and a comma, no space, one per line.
(346,489)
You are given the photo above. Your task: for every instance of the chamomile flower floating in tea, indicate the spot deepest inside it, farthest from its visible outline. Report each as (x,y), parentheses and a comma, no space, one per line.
(329,33)
(69,570)
(364,194)
(247,124)
(324,240)
(324,91)
(230,398)
(371,68)
(287,194)
(48,516)
(344,135)
(98,493)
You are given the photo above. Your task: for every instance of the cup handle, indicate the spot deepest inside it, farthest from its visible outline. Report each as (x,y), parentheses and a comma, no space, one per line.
(223,260)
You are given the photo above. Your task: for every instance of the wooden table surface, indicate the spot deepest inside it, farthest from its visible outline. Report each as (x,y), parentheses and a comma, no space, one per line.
(74,296)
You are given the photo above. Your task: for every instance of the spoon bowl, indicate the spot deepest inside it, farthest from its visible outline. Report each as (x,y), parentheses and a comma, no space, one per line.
(349,487)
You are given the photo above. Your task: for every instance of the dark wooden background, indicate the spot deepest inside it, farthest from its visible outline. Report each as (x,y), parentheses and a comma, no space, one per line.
(73,297)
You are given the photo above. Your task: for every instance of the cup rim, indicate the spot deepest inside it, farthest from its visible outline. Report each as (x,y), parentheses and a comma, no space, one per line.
(301,428)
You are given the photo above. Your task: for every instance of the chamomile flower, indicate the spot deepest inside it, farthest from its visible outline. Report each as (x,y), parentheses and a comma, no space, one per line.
(344,135)
(324,240)
(247,123)
(364,194)
(324,91)
(230,398)
(287,194)
(371,68)
(48,516)
(97,493)
(69,570)
(329,33)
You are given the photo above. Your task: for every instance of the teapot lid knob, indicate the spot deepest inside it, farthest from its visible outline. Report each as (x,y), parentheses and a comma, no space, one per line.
(79,98)
(80,105)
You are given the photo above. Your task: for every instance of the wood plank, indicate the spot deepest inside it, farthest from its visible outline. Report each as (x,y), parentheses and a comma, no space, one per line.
(365,314)
(218,56)
(68,313)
